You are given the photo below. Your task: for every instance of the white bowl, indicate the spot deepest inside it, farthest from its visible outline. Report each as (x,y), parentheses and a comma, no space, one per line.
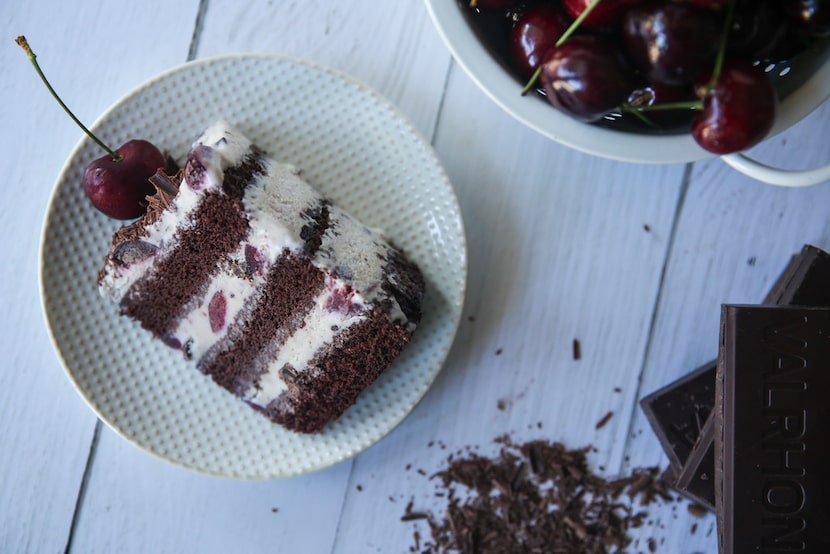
(504,90)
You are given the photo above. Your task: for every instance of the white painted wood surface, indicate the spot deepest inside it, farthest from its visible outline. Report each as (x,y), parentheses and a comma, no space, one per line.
(631,260)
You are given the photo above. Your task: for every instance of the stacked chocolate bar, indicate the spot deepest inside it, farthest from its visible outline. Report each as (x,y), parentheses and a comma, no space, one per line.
(748,435)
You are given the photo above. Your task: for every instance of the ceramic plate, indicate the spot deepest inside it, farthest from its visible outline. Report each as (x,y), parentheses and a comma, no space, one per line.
(355,147)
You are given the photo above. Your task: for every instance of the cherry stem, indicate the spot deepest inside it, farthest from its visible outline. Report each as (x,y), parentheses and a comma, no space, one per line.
(565,36)
(568,32)
(686,105)
(21,41)
(640,115)
(718,67)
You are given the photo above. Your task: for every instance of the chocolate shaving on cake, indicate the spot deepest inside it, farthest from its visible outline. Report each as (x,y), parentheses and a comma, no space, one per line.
(162,181)
(156,204)
(537,497)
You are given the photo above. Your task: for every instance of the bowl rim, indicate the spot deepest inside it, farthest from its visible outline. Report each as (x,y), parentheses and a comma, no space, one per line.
(501,87)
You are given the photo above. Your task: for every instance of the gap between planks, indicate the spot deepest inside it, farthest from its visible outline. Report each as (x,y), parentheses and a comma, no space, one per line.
(681,198)
(93,446)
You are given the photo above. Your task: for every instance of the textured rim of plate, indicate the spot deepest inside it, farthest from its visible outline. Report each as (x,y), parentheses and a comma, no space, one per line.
(502,88)
(454,303)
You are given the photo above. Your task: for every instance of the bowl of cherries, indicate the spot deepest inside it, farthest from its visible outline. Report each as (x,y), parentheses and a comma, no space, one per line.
(649,81)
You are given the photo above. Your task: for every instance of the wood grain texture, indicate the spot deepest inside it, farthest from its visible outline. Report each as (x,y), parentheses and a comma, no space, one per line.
(632,261)
(137,503)
(390,46)
(92,53)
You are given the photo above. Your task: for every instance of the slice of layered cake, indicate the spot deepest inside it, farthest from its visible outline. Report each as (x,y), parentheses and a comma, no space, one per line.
(283,298)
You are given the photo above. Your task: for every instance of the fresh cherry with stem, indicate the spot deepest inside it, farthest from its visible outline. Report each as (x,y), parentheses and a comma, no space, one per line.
(117,183)
(737,102)
(568,32)
(535,32)
(586,77)
(738,111)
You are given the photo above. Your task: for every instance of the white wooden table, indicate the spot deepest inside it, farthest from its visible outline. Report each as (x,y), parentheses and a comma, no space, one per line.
(631,260)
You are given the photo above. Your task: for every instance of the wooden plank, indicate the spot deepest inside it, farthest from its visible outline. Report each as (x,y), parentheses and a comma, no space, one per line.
(48,429)
(734,236)
(562,246)
(390,46)
(138,503)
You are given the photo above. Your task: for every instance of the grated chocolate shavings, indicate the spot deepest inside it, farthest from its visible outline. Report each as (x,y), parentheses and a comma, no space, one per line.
(697,510)
(156,204)
(537,497)
(605,419)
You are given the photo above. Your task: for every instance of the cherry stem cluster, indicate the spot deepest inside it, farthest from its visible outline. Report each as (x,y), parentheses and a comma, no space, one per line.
(716,71)
(24,44)
(727,24)
(568,32)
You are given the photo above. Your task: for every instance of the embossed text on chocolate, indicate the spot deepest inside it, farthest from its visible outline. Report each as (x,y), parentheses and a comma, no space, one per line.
(783,436)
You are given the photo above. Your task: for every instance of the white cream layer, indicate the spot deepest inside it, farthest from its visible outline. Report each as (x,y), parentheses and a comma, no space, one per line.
(321,326)
(195,329)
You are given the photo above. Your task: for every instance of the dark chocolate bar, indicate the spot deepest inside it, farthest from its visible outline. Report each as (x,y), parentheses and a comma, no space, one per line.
(678,411)
(696,480)
(772,425)
(804,281)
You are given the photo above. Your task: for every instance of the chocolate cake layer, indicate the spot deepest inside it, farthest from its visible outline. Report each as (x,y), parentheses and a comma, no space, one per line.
(158,299)
(337,375)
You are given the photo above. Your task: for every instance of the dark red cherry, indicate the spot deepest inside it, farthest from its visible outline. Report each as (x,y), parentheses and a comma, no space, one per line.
(534,33)
(606,15)
(586,77)
(671,43)
(119,188)
(217,310)
(738,111)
